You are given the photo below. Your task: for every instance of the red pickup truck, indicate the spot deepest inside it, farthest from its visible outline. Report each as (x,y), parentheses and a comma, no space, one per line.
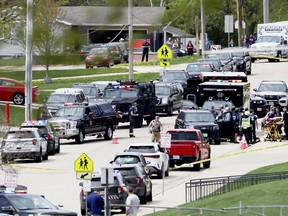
(188,146)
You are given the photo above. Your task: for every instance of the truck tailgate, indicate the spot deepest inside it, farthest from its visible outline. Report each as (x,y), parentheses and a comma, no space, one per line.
(182,147)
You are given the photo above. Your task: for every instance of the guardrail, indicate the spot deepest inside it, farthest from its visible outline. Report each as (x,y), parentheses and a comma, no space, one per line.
(208,187)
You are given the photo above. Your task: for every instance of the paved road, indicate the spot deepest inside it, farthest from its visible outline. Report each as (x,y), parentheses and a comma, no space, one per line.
(56,178)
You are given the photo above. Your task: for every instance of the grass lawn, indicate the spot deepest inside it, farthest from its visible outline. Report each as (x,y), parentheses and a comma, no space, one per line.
(272,193)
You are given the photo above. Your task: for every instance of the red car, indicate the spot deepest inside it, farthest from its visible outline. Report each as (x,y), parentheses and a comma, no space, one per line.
(13,90)
(99,57)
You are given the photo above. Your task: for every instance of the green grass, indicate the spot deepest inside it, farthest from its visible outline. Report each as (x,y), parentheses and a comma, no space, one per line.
(12,62)
(20,75)
(272,193)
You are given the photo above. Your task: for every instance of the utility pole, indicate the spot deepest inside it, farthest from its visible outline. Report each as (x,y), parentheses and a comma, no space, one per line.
(197,34)
(239,18)
(266,11)
(203,32)
(28,72)
(130,23)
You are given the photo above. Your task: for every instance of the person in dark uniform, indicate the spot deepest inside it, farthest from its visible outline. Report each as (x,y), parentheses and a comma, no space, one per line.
(133,113)
(95,203)
(145,46)
(254,125)
(285,120)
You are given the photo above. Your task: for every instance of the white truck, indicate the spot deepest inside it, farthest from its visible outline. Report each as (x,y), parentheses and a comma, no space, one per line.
(271,42)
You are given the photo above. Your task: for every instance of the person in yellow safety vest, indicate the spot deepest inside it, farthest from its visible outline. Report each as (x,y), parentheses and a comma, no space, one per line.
(246,124)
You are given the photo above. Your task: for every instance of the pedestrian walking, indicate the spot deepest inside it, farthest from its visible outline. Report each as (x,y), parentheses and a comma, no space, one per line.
(132,203)
(145,52)
(190,48)
(285,120)
(133,113)
(155,127)
(246,126)
(254,118)
(95,203)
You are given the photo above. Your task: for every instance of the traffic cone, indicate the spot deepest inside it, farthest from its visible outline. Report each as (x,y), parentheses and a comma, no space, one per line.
(114,139)
(243,143)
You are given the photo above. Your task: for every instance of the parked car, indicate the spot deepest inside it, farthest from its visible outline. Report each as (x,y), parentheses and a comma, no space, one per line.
(199,67)
(19,189)
(175,76)
(124,49)
(47,132)
(216,63)
(24,143)
(225,58)
(116,52)
(117,192)
(13,90)
(202,120)
(99,57)
(90,90)
(29,204)
(63,96)
(136,177)
(156,158)
(85,49)
(168,97)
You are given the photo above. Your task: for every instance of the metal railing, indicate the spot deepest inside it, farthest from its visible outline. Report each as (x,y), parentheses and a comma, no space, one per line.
(208,187)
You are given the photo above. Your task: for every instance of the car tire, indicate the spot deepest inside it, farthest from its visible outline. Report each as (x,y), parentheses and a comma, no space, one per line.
(207,164)
(170,110)
(87,67)
(39,157)
(4,159)
(57,150)
(45,157)
(253,60)
(108,133)
(171,164)
(160,173)
(143,199)
(122,210)
(217,141)
(149,197)
(80,137)
(18,99)
(197,166)
(52,151)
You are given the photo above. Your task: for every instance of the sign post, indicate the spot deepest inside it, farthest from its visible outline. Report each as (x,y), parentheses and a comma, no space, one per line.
(164,54)
(229,26)
(11,179)
(165,143)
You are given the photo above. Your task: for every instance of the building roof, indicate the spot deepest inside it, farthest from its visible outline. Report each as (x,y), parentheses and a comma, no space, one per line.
(176,32)
(111,16)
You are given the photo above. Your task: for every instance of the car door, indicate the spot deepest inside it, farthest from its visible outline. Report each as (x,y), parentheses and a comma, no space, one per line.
(176,97)
(146,179)
(97,118)
(7,90)
(225,123)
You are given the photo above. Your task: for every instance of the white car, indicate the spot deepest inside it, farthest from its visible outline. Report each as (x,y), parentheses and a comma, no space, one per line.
(24,143)
(156,158)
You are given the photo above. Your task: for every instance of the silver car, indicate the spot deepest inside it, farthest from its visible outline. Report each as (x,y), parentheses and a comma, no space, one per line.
(24,143)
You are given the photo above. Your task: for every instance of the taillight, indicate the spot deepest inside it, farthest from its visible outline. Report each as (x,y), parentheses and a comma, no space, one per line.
(120,190)
(153,156)
(137,180)
(200,76)
(34,141)
(48,136)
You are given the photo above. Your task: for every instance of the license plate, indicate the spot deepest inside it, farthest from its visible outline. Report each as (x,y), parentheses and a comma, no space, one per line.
(205,134)
(259,109)
(271,103)
(176,156)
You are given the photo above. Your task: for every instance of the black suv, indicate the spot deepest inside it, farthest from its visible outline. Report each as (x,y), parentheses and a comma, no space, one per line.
(202,120)
(272,91)
(122,95)
(169,97)
(136,177)
(117,192)
(241,60)
(177,76)
(28,204)
(78,121)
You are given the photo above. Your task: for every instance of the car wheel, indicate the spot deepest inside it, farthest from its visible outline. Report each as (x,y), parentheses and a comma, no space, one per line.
(4,159)
(172,164)
(217,141)
(80,137)
(111,63)
(207,164)
(109,133)
(122,210)
(18,99)
(149,197)
(170,110)
(253,60)
(87,67)
(197,166)
(160,173)
(143,199)
(45,157)
(39,157)
(57,150)
(52,151)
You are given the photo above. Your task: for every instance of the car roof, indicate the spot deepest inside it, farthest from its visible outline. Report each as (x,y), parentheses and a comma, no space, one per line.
(129,153)
(195,111)
(272,81)
(123,166)
(23,129)
(144,144)
(75,85)
(35,123)
(67,91)
(183,130)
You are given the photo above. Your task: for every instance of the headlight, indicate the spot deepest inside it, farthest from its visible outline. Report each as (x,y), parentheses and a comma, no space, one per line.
(164,100)
(216,127)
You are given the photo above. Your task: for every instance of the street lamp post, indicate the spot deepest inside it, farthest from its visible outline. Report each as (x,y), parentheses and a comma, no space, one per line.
(130,22)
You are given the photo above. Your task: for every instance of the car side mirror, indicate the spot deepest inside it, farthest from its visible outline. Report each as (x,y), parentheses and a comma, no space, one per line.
(111,162)
(254,89)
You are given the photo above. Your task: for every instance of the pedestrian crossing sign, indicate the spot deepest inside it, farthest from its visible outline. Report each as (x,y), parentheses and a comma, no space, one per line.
(164,64)
(83,164)
(164,52)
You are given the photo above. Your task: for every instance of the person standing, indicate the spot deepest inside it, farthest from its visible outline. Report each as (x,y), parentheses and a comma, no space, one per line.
(231,44)
(155,127)
(132,203)
(133,113)
(190,48)
(285,120)
(254,125)
(213,111)
(246,126)
(95,203)
(145,52)
(169,42)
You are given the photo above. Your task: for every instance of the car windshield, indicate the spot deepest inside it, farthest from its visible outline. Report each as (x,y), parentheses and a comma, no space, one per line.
(162,90)
(19,134)
(98,52)
(215,63)
(176,76)
(88,90)
(238,54)
(272,87)
(223,56)
(42,129)
(70,111)
(142,149)
(121,93)
(126,159)
(199,117)
(61,99)
(183,135)
(217,104)
(270,38)
(23,202)
(198,68)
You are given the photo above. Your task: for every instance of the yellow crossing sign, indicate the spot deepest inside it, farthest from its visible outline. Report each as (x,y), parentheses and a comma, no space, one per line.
(164,63)
(164,52)
(83,164)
